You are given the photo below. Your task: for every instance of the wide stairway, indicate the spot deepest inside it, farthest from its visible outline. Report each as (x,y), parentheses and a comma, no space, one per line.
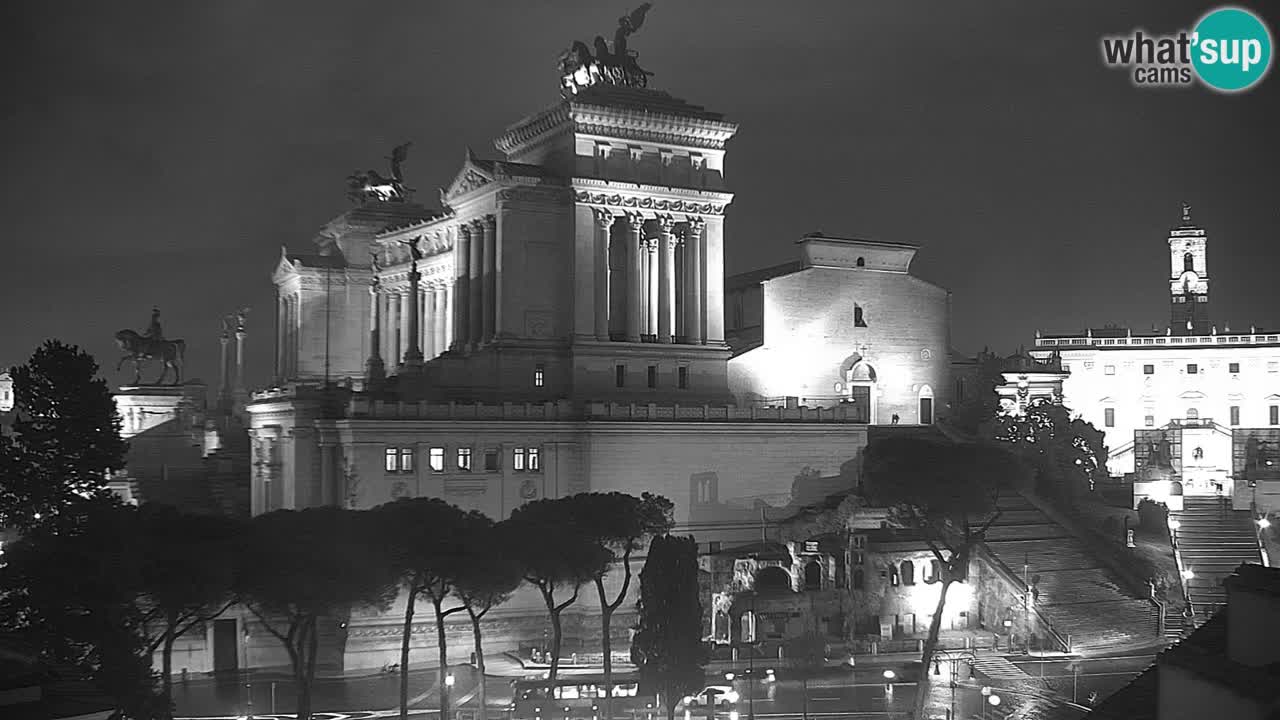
(1077,593)
(1213,540)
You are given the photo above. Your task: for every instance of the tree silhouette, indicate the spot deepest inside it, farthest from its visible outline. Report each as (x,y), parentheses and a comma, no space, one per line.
(487,579)
(311,566)
(1068,455)
(947,493)
(66,438)
(667,648)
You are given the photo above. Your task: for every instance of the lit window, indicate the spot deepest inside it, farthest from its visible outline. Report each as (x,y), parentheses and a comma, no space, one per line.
(436,458)
(464,459)
(1148,369)
(1149,421)
(1235,414)
(491,460)
(620,375)
(1233,367)
(535,459)
(1109,417)
(1192,369)
(517,459)
(406,459)
(538,376)
(1109,369)
(1275,414)
(391,460)
(653,376)
(893,576)
(682,377)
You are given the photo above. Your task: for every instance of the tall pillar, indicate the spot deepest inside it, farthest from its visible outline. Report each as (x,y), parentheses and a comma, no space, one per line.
(635,278)
(666,279)
(393,326)
(713,262)
(403,318)
(222,371)
(651,280)
(412,329)
(281,323)
(695,325)
(462,288)
(238,391)
(375,371)
(489,304)
(447,318)
(428,313)
(604,221)
(439,325)
(475,301)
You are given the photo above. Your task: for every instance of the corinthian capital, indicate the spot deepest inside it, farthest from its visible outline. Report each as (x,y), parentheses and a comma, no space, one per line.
(696,224)
(604,218)
(666,224)
(636,221)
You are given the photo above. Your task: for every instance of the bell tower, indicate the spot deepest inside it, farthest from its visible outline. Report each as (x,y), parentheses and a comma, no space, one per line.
(1188,278)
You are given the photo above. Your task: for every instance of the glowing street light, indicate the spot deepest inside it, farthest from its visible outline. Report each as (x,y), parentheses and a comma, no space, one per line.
(890,675)
(994,700)
(1174,524)
(729,676)
(448,680)
(1263,523)
(1188,574)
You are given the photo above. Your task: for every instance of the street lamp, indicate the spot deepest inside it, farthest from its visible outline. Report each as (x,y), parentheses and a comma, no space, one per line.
(1263,523)
(1188,574)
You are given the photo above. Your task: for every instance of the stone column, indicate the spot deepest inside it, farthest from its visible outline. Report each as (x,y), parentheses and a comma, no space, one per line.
(666,280)
(695,327)
(375,371)
(412,330)
(222,372)
(393,326)
(447,318)
(238,392)
(281,324)
(462,288)
(439,325)
(713,280)
(635,279)
(429,322)
(604,221)
(489,304)
(651,279)
(475,301)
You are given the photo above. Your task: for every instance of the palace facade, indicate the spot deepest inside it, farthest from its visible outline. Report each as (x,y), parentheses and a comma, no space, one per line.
(1193,408)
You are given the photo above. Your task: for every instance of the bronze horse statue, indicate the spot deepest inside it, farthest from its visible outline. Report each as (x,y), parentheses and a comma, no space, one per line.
(140,348)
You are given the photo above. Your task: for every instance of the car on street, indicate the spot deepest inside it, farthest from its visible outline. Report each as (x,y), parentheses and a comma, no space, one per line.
(722,695)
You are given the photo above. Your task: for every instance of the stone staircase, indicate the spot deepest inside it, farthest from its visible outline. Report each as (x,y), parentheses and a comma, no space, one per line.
(1213,540)
(1077,592)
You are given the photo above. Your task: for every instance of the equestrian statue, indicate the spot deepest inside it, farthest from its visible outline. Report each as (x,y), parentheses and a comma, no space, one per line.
(373,186)
(151,345)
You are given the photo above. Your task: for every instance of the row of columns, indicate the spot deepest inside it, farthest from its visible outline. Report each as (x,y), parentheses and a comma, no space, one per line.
(477,262)
(396,318)
(652,277)
(288,320)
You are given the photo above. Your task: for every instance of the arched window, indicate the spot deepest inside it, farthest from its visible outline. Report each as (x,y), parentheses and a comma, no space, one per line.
(933,574)
(857,579)
(858,320)
(1188,262)
(862,262)
(772,579)
(813,576)
(1193,414)
(926,405)
(908,572)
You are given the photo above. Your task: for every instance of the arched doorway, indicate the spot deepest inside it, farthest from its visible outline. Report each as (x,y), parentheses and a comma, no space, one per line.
(860,386)
(925,401)
(813,575)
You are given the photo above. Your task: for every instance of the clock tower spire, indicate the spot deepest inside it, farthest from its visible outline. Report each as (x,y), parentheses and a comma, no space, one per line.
(1188,278)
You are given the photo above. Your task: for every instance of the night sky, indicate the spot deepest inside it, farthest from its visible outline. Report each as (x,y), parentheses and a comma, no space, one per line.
(162,152)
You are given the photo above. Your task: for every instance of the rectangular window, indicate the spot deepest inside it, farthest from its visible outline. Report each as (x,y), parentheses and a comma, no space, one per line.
(620,375)
(1235,414)
(1233,367)
(464,459)
(491,460)
(1109,369)
(1275,414)
(392,463)
(538,376)
(517,459)
(535,459)
(1149,421)
(1273,366)
(406,459)
(436,458)
(1148,369)
(1192,369)
(1109,417)
(682,377)
(653,376)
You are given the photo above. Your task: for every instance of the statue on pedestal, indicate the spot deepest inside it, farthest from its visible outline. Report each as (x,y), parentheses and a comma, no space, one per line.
(579,69)
(371,185)
(149,345)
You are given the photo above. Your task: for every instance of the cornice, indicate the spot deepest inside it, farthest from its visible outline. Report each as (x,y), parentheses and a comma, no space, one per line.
(605,194)
(523,133)
(659,127)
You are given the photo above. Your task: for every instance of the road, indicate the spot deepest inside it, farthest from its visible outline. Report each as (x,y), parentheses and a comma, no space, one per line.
(837,695)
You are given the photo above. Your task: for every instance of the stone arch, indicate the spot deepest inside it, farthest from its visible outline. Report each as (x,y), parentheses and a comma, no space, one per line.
(1188,262)
(1175,488)
(1193,413)
(862,262)
(772,579)
(908,572)
(924,402)
(813,575)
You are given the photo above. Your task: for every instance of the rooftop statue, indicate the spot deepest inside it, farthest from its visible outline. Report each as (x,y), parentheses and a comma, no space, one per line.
(371,185)
(580,69)
(414,247)
(151,345)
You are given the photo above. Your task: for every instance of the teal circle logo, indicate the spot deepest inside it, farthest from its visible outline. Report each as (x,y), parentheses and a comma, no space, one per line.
(1231,49)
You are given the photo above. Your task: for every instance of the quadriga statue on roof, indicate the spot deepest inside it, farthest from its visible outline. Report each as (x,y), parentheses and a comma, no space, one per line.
(580,69)
(151,345)
(371,185)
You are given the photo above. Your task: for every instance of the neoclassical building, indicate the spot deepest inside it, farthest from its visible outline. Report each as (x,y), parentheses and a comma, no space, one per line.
(558,325)
(1199,390)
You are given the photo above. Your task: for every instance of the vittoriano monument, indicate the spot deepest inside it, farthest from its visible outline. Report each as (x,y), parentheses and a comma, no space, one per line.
(371,185)
(580,69)
(151,345)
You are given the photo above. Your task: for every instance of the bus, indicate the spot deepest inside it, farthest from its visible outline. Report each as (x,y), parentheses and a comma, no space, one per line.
(581,697)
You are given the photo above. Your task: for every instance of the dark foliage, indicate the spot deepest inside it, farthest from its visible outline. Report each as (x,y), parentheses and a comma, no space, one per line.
(668,648)
(1068,455)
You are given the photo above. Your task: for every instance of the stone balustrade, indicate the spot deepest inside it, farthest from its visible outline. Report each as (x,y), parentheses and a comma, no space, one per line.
(1216,339)
(564,410)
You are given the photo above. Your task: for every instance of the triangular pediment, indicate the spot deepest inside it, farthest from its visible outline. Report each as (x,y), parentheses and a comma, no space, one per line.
(1273,397)
(1192,395)
(475,173)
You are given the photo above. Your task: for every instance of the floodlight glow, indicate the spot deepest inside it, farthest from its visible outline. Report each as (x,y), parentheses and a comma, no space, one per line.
(1264,523)
(889,674)
(729,676)
(448,680)
(994,700)
(1188,574)
(1174,524)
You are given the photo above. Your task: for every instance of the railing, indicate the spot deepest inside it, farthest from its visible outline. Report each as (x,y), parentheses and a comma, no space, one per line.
(726,413)
(1063,641)
(1215,339)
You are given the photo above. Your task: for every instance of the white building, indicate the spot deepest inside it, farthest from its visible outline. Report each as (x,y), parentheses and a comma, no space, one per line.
(1185,399)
